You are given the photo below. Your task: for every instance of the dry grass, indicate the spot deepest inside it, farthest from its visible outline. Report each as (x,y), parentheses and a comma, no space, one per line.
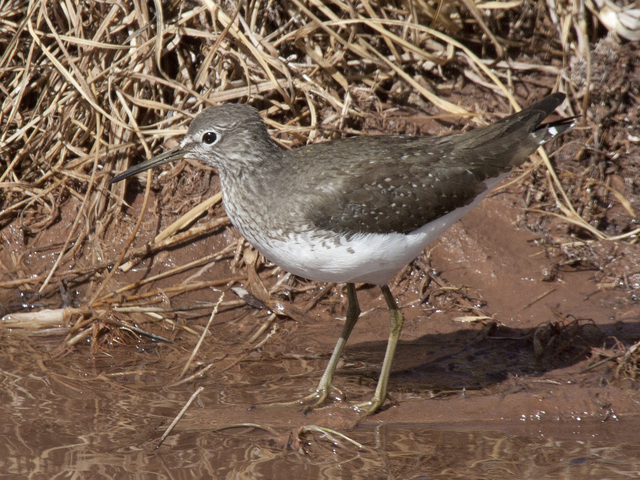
(625,359)
(88,88)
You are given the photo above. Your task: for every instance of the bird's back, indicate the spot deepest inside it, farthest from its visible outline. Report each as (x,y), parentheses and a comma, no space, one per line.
(383,184)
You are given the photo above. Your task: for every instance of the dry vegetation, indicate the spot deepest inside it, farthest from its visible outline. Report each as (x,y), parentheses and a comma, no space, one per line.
(89,88)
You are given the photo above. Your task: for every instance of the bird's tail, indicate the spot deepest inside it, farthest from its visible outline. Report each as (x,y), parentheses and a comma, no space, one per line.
(546,131)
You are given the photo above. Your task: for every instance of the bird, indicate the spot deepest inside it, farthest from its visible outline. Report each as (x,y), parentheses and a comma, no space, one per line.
(354,210)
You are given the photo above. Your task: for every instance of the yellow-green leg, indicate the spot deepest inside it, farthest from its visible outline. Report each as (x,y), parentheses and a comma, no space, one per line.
(395,327)
(326,382)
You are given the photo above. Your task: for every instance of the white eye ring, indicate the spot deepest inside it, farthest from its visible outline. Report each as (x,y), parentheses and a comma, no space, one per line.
(209,137)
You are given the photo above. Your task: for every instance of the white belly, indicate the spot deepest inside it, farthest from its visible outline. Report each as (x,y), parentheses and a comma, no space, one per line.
(363,258)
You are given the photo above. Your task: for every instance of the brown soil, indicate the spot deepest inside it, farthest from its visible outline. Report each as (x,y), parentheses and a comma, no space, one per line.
(472,399)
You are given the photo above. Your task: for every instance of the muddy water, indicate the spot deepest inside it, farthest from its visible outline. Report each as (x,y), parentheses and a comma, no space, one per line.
(95,416)
(468,400)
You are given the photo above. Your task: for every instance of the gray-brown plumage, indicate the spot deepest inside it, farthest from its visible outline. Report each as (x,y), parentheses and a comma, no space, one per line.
(397,184)
(359,209)
(377,184)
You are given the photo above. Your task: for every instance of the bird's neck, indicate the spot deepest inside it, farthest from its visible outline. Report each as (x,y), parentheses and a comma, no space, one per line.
(249,186)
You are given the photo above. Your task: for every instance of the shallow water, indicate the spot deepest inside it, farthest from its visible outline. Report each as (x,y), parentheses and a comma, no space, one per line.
(470,401)
(84,415)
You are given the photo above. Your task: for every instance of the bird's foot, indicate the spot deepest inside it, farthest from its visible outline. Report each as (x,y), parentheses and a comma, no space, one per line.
(370,407)
(313,400)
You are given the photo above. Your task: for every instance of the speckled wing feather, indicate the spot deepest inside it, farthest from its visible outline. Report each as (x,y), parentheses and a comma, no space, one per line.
(404,182)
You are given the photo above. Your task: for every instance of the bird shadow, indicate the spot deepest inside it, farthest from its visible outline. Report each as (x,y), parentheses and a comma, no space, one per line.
(472,359)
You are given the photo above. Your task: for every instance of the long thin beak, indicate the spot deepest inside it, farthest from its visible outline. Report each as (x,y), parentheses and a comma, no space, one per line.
(176,153)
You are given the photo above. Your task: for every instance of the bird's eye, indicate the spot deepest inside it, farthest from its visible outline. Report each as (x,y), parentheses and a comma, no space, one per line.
(210,138)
